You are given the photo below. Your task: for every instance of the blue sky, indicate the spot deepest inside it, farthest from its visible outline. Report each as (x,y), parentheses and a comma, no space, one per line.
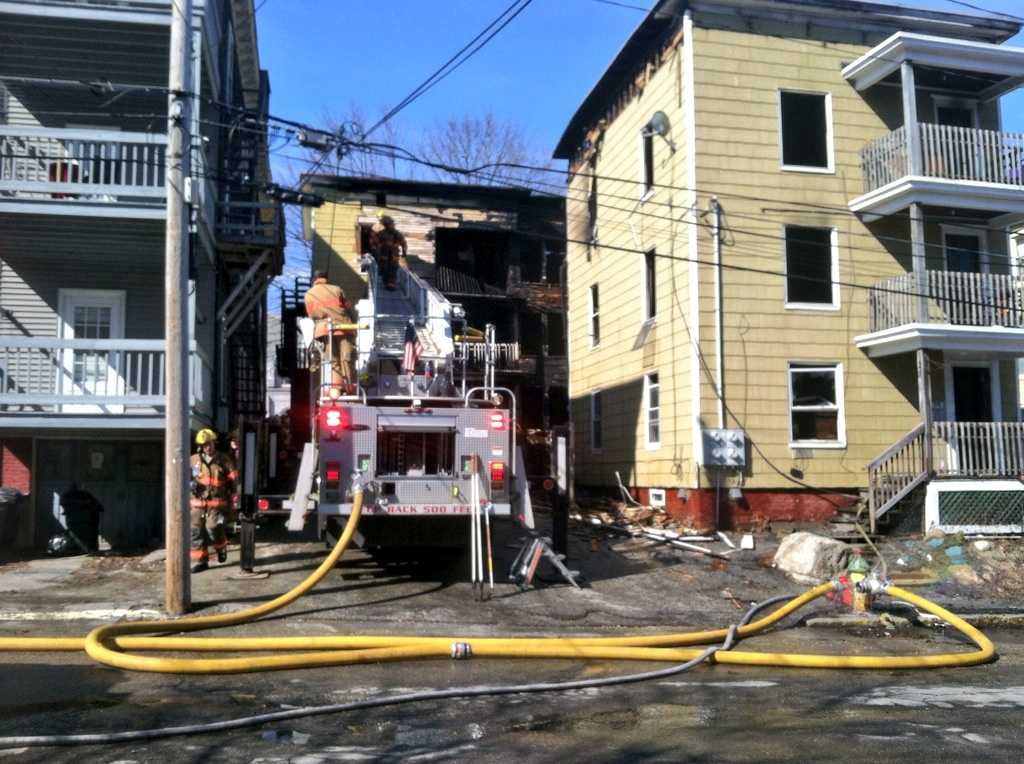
(325,56)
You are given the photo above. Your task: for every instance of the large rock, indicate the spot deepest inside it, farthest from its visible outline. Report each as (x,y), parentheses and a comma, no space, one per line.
(810,559)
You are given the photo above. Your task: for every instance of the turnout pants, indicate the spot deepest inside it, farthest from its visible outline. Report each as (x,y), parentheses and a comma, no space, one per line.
(207,528)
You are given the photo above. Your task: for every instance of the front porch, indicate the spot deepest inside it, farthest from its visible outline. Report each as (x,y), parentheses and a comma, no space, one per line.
(979,451)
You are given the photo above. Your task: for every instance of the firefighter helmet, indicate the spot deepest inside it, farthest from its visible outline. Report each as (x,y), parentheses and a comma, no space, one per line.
(204,436)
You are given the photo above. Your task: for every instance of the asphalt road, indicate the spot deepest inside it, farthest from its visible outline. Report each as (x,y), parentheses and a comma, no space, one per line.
(714,713)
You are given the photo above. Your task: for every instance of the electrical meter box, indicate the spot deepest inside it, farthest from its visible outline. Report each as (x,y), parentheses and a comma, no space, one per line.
(724,448)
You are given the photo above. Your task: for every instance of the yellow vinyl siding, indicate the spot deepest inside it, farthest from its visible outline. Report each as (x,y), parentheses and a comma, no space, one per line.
(738,154)
(618,365)
(336,245)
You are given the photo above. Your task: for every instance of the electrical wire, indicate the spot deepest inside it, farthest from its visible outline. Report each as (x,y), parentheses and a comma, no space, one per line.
(454,62)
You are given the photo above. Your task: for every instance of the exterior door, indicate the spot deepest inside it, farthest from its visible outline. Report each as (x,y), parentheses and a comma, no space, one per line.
(972,393)
(87,371)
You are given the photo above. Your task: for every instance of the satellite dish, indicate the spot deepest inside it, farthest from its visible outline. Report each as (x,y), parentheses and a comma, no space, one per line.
(658,124)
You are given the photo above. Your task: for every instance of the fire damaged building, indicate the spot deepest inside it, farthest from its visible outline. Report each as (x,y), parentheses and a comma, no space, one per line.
(498,252)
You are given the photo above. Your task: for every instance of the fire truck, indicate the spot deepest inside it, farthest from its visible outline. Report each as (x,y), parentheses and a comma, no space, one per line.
(427,446)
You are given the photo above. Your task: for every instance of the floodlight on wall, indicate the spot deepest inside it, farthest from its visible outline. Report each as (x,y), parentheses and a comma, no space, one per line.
(659,125)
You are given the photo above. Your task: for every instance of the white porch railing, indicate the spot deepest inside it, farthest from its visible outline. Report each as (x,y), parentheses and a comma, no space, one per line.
(506,354)
(959,450)
(947,152)
(979,449)
(90,165)
(48,374)
(964,299)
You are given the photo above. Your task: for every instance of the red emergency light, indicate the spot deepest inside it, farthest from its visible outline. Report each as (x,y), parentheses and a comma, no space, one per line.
(497,472)
(332,472)
(498,421)
(333,419)
(263,504)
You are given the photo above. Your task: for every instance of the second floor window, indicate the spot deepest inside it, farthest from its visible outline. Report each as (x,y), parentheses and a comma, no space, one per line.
(650,284)
(812,267)
(596,436)
(805,122)
(647,158)
(595,317)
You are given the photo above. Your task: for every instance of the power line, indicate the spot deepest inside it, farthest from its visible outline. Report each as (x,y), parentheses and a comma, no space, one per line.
(453,63)
(986,10)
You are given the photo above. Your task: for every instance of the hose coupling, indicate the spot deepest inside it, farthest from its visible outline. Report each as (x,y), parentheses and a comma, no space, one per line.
(873,584)
(461,651)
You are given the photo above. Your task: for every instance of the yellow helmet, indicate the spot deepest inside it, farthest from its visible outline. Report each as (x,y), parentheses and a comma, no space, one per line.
(204,436)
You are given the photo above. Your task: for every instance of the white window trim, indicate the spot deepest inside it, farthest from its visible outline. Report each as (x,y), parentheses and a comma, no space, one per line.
(834,253)
(592,314)
(995,387)
(593,396)
(983,244)
(644,318)
(945,101)
(829,134)
(648,443)
(647,193)
(118,297)
(840,443)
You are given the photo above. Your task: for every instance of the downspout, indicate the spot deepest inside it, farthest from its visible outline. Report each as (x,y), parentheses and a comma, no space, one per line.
(716,230)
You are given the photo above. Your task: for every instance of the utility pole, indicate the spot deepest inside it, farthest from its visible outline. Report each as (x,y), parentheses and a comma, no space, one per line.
(177,577)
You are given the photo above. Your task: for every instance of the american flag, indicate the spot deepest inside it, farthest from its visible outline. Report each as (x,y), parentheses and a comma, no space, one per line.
(413,349)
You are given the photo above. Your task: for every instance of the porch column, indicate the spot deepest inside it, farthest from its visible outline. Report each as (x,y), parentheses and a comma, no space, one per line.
(924,403)
(910,118)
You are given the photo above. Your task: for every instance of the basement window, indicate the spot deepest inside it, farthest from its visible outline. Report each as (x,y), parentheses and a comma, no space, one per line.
(812,268)
(816,412)
(805,125)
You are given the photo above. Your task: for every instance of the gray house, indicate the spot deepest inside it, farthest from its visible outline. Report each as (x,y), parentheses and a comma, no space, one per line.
(82,160)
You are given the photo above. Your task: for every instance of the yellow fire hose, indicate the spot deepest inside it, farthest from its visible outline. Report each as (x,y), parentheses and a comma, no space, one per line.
(108,644)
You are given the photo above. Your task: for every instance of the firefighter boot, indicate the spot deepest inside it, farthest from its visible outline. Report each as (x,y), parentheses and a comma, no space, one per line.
(200,566)
(222,555)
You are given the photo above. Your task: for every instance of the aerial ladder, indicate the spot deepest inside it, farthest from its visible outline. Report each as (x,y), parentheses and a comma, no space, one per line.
(434,452)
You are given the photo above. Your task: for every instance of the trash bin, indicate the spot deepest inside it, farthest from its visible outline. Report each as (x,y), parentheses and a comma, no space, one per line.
(10,510)
(82,518)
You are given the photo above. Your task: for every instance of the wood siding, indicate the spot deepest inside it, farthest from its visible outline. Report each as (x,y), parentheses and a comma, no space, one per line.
(627,227)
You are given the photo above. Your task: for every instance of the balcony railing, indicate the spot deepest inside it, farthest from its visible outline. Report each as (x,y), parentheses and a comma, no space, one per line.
(947,153)
(87,165)
(972,450)
(963,299)
(52,375)
(505,356)
(251,223)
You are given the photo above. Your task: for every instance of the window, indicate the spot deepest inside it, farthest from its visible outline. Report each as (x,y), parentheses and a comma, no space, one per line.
(806,131)
(595,318)
(596,440)
(812,267)
(816,405)
(647,149)
(650,285)
(653,405)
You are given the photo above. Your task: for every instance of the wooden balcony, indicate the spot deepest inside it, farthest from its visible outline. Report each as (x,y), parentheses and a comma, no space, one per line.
(959,167)
(82,171)
(45,379)
(965,311)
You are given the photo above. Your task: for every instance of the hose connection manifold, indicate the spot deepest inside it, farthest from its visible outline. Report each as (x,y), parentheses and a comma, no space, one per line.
(461,651)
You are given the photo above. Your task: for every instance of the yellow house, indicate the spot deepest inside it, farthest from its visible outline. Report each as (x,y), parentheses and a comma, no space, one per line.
(790,282)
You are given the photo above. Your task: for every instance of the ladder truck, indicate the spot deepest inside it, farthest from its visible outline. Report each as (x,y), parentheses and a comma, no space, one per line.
(430,450)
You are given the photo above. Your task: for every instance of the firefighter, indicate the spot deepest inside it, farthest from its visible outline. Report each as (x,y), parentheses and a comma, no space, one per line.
(326,304)
(213,486)
(387,243)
